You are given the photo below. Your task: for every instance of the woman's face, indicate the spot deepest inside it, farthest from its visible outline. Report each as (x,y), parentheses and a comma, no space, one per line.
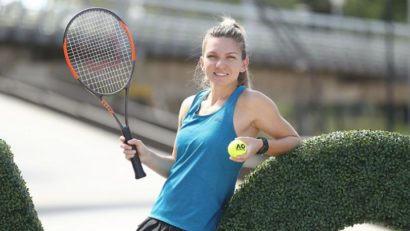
(222,62)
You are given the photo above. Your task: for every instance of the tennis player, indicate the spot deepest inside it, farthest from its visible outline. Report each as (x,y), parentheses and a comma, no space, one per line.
(200,174)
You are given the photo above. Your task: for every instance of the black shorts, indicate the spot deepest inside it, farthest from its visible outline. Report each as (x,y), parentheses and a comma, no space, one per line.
(152,224)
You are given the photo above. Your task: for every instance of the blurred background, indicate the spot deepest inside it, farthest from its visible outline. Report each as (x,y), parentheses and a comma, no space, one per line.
(328,64)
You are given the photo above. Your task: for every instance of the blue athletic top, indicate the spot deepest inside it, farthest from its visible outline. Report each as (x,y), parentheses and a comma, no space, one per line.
(203,177)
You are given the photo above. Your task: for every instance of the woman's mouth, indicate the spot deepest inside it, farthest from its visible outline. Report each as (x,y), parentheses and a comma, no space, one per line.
(219,74)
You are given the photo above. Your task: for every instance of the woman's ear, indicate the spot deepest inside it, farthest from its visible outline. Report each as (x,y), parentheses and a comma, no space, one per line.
(245,64)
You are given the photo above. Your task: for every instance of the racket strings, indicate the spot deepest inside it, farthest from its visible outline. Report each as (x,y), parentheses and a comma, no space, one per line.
(99,50)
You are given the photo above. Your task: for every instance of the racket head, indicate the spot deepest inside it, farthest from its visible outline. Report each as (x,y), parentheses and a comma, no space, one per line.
(99,51)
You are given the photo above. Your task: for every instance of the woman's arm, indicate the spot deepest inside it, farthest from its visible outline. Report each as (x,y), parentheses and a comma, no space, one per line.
(270,121)
(161,164)
(264,116)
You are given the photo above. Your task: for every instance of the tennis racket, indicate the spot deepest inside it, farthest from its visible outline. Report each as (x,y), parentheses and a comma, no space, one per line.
(100,54)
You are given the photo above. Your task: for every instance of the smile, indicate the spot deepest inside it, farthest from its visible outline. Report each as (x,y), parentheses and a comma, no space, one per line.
(220,74)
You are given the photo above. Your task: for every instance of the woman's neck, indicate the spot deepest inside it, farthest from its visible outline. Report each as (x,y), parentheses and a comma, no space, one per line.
(218,95)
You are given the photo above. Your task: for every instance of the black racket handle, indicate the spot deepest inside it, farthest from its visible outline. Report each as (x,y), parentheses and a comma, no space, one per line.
(136,162)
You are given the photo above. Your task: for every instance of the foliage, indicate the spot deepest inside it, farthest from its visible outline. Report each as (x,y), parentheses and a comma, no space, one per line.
(369,9)
(227,1)
(376,9)
(329,182)
(320,6)
(16,207)
(287,4)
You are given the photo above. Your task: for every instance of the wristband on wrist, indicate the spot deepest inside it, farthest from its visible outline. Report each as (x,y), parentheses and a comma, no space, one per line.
(264,147)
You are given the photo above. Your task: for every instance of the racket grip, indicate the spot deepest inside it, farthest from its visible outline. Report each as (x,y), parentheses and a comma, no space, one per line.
(136,162)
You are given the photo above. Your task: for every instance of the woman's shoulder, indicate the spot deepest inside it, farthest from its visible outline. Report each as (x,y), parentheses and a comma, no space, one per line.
(185,105)
(252,97)
(187,102)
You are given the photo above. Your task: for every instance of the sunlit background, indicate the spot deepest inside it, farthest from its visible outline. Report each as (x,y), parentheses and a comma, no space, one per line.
(328,64)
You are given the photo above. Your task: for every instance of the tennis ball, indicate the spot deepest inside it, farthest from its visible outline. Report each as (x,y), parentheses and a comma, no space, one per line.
(237,148)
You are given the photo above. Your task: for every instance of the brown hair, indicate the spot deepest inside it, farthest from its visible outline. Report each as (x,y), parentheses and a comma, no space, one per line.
(227,28)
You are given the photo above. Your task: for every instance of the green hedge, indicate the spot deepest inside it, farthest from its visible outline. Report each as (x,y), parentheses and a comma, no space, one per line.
(16,207)
(330,182)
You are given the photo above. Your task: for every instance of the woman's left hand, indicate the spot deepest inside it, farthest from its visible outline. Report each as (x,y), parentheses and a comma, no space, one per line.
(253,146)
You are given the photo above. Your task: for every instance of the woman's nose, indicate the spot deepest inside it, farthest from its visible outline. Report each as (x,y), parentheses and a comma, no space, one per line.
(220,63)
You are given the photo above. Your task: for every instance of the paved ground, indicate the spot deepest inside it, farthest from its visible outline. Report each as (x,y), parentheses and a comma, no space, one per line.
(76,173)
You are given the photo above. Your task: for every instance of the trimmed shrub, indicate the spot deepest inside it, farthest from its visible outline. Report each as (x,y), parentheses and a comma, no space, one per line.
(328,183)
(16,207)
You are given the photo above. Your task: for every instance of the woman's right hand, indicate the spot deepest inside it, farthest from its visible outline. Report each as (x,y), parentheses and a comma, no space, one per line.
(129,152)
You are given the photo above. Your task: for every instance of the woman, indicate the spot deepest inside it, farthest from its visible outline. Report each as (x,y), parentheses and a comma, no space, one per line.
(200,174)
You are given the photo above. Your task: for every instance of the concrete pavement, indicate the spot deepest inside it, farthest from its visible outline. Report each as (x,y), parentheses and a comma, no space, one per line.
(76,174)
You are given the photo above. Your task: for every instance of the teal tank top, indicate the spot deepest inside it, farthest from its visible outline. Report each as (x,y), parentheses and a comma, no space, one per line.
(203,177)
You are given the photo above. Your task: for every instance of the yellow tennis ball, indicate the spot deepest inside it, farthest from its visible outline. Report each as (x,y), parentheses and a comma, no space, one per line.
(237,148)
